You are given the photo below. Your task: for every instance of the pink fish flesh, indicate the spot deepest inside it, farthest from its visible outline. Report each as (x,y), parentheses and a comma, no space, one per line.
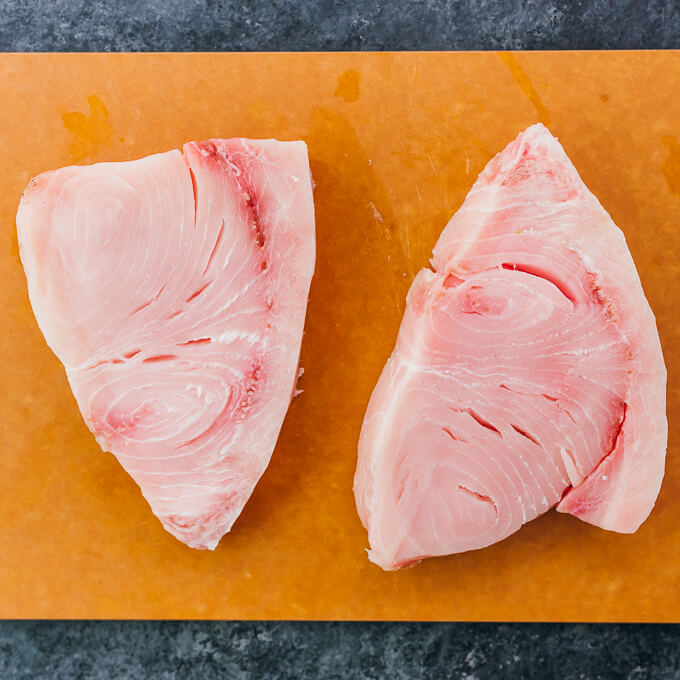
(174,289)
(527,373)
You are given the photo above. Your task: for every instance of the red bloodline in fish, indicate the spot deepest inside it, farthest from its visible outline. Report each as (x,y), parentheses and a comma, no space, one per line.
(478,496)
(193,296)
(456,438)
(218,240)
(473,414)
(541,274)
(159,357)
(251,387)
(524,433)
(104,362)
(617,430)
(153,299)
(194,186)
(198,341)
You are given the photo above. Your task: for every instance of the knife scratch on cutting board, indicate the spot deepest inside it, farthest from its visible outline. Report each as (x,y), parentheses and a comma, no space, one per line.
(406,242)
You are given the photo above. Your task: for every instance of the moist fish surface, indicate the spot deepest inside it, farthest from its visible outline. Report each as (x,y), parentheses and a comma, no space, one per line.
(173,289)
(527,373)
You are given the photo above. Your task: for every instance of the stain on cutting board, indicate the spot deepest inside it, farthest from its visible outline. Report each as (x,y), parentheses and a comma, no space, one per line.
(671,166)
(349,86)
(527,87)
(88,131)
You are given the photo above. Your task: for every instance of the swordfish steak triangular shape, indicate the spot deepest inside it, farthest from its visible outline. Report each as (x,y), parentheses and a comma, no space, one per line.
(174,289)
(527,373)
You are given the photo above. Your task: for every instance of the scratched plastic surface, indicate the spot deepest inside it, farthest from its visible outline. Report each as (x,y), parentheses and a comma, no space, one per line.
(395,141)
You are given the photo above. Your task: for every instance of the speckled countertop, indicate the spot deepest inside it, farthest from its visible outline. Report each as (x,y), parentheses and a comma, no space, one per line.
(169,25)
(203,650)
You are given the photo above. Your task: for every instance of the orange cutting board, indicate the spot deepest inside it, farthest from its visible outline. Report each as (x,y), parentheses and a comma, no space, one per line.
(395,142)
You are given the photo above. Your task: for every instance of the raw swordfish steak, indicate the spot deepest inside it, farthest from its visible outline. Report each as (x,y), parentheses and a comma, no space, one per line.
(527,373)
(174,289)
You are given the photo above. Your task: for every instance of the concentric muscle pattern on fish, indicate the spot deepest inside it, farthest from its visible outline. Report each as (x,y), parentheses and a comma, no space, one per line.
(527,373)
(174,290)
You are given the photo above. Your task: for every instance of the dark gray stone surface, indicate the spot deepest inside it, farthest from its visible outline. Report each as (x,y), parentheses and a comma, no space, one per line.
(84,25)
(205,650)
(315,651)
